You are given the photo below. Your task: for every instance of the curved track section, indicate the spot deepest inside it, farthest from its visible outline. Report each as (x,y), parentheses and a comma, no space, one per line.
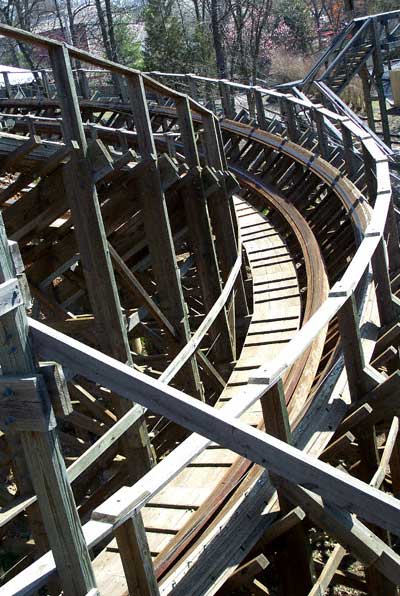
(300,222)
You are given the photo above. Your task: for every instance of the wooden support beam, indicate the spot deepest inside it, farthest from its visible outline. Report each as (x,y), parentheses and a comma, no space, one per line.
(359,379)
(243,575)
(337,447)
(347,529)
(201,238)
(294,544)
(260,111)
(133,548)
(289,116)
(92,243)
(161,244)
(130,279)
(280,527)
(388,304)
(335,486)
(378,72)
(43,456)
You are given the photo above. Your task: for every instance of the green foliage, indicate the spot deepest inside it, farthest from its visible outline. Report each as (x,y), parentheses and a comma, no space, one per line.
(296,15)
(165,47)
(129,50)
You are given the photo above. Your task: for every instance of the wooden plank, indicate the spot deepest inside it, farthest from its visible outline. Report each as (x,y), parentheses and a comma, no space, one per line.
(92,243)
(285,460)
(133,547)
(201,238)
(294,544)
(193,344)
(43,457)
(161,245)
(348,530)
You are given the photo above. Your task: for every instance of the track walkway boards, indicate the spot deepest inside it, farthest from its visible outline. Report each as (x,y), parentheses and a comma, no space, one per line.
(275,320)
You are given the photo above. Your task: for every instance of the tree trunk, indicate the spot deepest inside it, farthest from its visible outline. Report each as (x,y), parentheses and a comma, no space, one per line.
(217,39)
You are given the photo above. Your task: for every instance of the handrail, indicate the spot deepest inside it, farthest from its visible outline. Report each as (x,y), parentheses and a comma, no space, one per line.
(348,45)
(193,344)
(40,41)
(135,497)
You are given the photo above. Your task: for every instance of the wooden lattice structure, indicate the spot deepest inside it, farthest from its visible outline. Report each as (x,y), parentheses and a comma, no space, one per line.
(197,256)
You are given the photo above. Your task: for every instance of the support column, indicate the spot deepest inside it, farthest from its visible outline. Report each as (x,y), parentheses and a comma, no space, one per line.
(201,237)
(294,544)
(378,72)
(95,258)
(41,446)
(158,230)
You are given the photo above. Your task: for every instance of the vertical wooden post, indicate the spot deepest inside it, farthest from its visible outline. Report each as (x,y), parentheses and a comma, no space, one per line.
(251,103)
(322,139)
(136,557)
(388,305)
(349,327)
(158,230)
(83,84)
(369,169)
(378,72)
(42,452)
(45,82)
(95,258)
(7,85)
(262,122)
(359,384)
(198,221)
(221,208)
(226,99)
(366,85)
(289,115)
(191,81)
(294,544)
(348,151)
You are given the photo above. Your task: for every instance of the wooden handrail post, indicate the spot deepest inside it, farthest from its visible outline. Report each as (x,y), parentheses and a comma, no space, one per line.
(83,84)
(250,94)
(289,115)
(45,82)
(36,425)
(93,248)
(294,543)
(7,85)
(359,377)
(191,81)
(221,209)
(226,99)
(198,220)
(348,151)
(136,558)
(321,135)
(260,111)
(161,245)
(388,304)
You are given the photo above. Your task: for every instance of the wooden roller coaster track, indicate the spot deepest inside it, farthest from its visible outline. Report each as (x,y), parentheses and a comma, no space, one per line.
(233,278)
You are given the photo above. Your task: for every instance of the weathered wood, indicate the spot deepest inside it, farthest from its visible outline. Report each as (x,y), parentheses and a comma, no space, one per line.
(44,458)
(95,258)
(283,459)
(349,325)
(198,220)
(348,530)
(136,558)
(280,527)
(294,544)
(244,574)
(161,245)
